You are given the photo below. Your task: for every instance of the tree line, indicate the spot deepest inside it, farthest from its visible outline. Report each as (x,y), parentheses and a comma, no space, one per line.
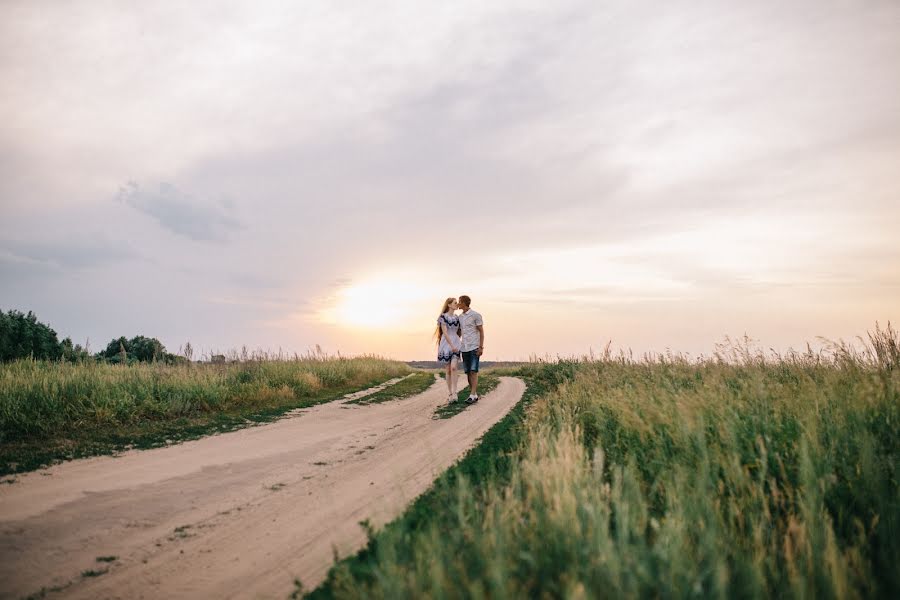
(23,336)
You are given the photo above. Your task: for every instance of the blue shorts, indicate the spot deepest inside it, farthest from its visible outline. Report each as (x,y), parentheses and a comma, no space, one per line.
(470,361)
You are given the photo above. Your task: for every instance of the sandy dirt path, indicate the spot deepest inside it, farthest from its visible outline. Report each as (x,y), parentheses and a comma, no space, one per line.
(236,515)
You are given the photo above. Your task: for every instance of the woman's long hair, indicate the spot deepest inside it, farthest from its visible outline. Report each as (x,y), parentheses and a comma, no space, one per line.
(439,332)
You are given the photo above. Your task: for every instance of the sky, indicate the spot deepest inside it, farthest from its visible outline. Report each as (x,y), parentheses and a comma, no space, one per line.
(654,175)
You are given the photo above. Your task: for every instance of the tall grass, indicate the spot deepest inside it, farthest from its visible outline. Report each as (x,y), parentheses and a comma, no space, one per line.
(50,409)
(741,475)
(39,397)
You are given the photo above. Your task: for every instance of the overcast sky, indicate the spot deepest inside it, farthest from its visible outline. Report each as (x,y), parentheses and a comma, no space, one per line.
(659,174)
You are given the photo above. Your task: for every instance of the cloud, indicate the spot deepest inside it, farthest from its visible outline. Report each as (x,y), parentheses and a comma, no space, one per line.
(182,214)
(27,267)
(66,254)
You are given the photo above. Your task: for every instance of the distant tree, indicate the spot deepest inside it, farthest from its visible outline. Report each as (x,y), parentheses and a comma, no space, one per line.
(23,336)
(146,349)
(114,350)
(137,349)
(74,353)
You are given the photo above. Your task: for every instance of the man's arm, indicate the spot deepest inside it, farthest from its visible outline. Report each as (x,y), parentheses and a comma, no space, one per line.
(480,329)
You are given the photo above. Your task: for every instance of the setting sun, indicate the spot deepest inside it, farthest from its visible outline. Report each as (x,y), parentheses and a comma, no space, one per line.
(377,304)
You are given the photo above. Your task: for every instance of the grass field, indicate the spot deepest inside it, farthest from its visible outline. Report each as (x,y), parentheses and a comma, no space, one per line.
(58,410)
(740,476)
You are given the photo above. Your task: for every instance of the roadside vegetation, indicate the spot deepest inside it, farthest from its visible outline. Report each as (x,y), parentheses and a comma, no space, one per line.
(745,474)
(53,410)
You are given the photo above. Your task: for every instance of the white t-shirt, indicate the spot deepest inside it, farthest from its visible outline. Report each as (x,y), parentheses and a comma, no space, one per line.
(470,338)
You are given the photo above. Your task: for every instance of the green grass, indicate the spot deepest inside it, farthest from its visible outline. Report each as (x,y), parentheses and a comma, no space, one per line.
(410,385)
(53,411)
(486,383)
(740,476)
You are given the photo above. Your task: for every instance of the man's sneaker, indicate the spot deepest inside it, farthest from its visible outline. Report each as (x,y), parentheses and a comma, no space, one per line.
(474,399)
(471,400)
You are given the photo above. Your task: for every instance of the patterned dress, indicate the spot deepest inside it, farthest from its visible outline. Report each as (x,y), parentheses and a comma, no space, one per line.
(445,352)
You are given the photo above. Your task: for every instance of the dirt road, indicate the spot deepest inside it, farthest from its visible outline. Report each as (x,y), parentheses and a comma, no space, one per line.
(236,515)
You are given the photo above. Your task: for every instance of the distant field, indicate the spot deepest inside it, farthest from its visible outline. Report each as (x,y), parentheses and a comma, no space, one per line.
(57,410)
(744,475)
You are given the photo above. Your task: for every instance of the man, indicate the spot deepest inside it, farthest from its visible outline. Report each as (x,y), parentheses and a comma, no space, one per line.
(472,326)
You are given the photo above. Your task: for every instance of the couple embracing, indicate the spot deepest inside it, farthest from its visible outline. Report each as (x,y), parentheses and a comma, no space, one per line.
(460,337)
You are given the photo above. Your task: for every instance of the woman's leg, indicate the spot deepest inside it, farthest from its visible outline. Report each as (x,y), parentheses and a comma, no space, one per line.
(450,376)
(453,374)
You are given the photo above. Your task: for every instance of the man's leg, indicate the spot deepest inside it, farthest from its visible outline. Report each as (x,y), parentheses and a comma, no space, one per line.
(476,360)
(467,364)
(470,359)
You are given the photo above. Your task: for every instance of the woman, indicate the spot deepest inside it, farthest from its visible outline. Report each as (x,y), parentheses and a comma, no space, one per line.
(447,335)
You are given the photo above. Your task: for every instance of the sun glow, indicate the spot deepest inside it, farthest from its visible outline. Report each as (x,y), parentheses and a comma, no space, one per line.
(380,304)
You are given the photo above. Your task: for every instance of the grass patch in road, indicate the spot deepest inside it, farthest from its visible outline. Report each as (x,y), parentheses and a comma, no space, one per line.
(106,559)
(410,385)
(181,532)
(50,412)
(486,384)
(44,591)
(93,573)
